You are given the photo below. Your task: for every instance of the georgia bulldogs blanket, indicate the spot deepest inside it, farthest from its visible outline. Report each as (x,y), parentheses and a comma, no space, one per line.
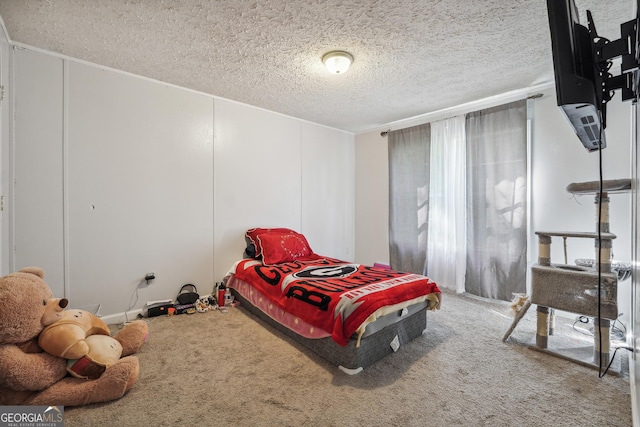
(336,296)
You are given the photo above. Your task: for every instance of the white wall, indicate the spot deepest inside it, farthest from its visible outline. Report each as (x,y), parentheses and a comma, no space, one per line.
(6,127)
(37,233)
(557,159)
(138,187)
(635,294)
(118,176)
(372,198)
(257,176)
(113,179)
(275,171)
(328,187)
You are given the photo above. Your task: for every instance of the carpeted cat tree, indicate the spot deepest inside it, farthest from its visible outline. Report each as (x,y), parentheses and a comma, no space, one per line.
(575,288)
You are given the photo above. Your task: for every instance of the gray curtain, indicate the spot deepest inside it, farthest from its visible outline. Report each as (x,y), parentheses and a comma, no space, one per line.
(408,197)
(496,201)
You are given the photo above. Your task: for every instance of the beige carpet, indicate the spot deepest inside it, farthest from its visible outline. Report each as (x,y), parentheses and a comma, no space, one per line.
(217,369)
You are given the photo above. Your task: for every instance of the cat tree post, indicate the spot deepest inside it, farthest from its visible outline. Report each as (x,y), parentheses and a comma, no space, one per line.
(542,312)
(602,326)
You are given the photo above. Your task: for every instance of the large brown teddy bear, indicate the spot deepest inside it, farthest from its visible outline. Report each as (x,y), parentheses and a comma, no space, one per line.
(29,376)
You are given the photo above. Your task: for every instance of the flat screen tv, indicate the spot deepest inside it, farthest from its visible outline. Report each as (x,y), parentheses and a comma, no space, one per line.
(578,84)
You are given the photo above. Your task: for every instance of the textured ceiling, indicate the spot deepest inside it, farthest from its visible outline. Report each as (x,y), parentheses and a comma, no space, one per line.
(411,57)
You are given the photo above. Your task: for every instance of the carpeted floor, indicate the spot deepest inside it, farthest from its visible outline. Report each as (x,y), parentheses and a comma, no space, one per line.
(223,369)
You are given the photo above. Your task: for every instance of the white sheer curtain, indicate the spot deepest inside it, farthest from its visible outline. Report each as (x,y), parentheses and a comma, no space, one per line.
(446,254)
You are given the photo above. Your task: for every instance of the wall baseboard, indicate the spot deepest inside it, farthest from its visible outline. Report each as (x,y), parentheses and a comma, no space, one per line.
(122,317)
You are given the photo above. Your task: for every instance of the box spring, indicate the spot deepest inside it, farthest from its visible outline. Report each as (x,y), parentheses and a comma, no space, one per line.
(351,359)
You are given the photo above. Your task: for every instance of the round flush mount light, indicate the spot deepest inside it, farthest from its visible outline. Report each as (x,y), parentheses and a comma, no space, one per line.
(337,62)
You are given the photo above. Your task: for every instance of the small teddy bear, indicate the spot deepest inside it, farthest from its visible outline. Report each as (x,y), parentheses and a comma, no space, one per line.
(518,303)
(30,376)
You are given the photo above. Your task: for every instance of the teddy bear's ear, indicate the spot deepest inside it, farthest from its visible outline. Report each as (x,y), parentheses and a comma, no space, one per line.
(33,270)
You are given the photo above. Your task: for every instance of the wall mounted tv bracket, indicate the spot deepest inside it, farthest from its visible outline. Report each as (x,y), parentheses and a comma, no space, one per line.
(628,48)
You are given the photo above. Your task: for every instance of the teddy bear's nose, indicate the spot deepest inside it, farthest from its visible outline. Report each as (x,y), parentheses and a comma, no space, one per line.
(63,302)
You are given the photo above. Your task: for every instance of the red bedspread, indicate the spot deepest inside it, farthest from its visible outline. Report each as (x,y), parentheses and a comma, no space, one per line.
(331,294)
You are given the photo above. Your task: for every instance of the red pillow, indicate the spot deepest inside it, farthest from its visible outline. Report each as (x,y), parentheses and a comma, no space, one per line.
(253,233)
(277,248)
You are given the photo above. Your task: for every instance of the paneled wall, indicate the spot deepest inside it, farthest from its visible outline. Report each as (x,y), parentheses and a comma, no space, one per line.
(328,191)
(372,198)
(139,186)
(634,363)
(37,172)
(257,176)
(276,171)
(117,176)
(113,179)
(6,127)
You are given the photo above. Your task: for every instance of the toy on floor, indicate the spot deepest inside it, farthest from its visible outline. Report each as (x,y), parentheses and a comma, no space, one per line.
(31,376)
(519,307)
(103,352)
(518,303)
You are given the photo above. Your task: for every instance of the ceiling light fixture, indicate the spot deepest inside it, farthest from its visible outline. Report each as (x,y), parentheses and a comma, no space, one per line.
(337,62)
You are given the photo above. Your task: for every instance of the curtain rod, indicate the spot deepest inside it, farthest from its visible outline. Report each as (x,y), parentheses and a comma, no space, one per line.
(534,96)
(476,105)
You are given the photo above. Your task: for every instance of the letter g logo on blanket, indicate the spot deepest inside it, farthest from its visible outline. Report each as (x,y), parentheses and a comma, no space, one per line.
(338,271)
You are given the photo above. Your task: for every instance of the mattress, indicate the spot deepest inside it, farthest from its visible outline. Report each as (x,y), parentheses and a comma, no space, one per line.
(335,296)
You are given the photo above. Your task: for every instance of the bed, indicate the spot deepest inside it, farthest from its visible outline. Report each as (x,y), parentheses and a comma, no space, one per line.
(350,314)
